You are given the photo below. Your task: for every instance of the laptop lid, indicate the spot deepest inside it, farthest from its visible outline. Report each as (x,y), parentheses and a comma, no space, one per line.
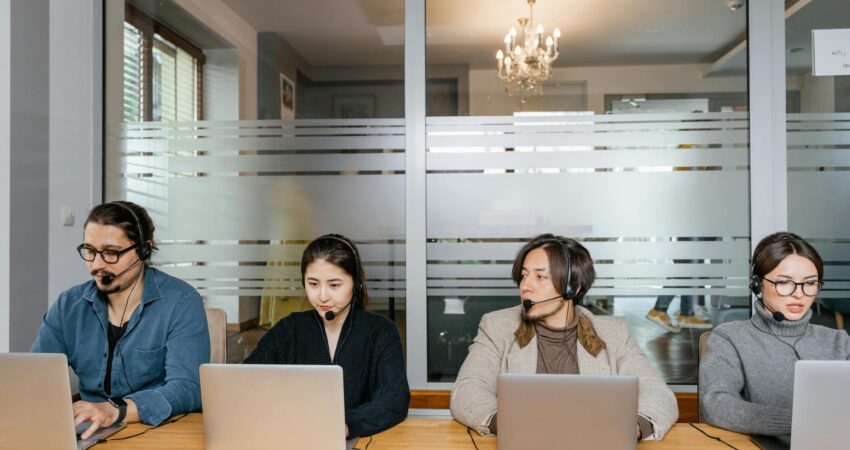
(820,412)
(35,402)
(539,411)
(273,406)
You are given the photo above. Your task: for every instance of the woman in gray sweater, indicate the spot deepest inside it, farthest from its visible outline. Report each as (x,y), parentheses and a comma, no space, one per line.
(746,378)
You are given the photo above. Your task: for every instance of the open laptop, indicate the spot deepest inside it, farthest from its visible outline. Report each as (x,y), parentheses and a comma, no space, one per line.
(539,411)
(273,406)
(35,404)
(820,413)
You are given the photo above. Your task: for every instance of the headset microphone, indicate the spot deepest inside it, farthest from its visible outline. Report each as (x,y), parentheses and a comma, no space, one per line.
(777,315)
(109,278)
(331,314)
(528,303)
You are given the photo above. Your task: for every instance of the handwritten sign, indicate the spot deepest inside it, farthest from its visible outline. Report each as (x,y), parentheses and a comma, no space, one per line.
(831,52)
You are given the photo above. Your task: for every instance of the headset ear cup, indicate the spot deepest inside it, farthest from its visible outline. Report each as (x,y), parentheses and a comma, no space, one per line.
(144,251)
(755,286)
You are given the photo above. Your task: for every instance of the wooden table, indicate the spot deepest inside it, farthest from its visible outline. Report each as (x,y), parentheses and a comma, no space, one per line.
(413,433)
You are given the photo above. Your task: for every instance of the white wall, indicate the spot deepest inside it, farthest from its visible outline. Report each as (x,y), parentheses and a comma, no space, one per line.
(75,134)
(221,84)
(216,15)
(487,97)
(5,138)
(29,110)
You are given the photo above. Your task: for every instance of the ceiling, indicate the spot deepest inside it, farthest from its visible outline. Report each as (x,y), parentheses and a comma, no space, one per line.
(594,32)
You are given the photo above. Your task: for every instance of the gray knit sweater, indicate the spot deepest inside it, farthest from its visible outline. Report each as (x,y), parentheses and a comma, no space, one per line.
(746,377)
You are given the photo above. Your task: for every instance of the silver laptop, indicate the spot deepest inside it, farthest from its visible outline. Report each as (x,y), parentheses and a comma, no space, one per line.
(820,414)
(35,404)
(273,406)
(567,412)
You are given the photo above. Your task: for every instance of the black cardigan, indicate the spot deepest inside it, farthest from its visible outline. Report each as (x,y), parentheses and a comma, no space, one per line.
(370,354)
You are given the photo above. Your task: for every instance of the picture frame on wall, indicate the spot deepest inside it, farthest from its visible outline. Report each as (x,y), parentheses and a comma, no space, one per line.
(287,98)
(354,106)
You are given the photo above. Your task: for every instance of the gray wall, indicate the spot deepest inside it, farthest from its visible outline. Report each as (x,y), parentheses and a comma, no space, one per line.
(29,154)
(275,56)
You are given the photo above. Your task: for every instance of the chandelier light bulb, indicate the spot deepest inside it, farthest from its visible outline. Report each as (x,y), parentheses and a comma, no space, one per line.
(540,29)
(557,33)
(549,41)
(500,55)
(512,33)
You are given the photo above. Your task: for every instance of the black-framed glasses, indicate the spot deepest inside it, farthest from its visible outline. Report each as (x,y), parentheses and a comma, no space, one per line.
(108,256)
(788,287)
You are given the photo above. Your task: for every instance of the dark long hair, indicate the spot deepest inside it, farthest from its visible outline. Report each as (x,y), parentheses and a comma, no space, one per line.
(771,250)
(341,252)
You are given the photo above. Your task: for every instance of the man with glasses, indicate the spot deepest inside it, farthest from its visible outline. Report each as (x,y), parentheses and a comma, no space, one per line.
(746,378)
(134,335)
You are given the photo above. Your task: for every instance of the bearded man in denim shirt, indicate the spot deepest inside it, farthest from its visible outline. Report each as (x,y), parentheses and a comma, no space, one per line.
(134,335)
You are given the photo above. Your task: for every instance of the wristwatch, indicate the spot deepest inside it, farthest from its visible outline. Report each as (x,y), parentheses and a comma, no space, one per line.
(119,403)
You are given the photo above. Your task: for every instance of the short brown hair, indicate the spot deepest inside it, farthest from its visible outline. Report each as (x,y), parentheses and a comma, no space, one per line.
(771,250)
(582,272)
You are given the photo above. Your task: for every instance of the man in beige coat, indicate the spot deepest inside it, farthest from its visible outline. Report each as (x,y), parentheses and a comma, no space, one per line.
(547,333)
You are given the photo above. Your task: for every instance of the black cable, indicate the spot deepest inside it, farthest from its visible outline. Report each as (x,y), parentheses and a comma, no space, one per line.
(716,438)
(104,441)
(469,432)
(367,444)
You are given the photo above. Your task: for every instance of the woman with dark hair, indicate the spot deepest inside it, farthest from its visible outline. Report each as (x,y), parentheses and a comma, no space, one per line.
(746,377)
(549,332)
(339,330)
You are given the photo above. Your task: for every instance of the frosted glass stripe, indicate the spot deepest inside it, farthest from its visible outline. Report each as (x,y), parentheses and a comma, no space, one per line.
(819,205)
(377,293)
(156,133)
(658,283)
(818,138)
(272,163)
(269,272)
(286,284)
(268,123)
(262,143)
(590,159)
(265,252)
(818,158)
(828,117)
(369,207)
(602,270)
(623,139)
(599,250)
(602,204)
(619,291)
(584,127)
(581,118)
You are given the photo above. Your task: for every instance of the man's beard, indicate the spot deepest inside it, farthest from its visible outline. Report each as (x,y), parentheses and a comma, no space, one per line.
(108,289)
(528,318)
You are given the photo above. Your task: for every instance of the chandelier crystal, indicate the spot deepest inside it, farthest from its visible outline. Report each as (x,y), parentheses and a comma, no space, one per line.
(527,59)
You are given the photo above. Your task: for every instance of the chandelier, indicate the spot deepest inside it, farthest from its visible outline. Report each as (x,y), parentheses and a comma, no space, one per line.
(526,62)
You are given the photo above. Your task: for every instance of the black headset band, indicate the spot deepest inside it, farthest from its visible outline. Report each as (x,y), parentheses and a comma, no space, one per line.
(142,248)
(568,292)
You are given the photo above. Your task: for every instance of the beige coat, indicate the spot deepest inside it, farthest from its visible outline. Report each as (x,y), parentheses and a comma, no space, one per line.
(496,351)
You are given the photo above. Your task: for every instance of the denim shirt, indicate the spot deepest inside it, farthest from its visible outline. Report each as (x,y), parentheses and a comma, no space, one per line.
(156,360)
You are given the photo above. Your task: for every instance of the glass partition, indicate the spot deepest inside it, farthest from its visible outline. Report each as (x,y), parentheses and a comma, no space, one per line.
(818,137)
(247,129)
(576,119)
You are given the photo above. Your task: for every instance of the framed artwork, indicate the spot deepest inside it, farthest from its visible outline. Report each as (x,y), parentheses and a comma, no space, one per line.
(353,106)
(287,98)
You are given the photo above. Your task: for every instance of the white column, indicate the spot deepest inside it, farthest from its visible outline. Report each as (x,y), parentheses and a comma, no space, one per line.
(768,153)
(415,193)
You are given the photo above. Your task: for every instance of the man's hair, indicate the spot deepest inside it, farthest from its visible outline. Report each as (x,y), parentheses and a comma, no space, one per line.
(115,214)
(582,274)
(771,250)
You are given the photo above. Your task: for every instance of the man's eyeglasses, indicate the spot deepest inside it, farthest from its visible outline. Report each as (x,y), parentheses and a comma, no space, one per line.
(108,256)
(788,287)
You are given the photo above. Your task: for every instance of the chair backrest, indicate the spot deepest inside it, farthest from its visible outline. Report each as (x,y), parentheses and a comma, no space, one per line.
(703,341)
(217,323)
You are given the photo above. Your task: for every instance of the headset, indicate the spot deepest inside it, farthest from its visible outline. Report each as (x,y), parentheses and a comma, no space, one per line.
(569,290)
(755,288)
(755,281)
(143,249)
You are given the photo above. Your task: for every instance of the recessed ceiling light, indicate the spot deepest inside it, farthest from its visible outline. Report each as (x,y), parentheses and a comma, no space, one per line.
(735,5)
(795,50)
